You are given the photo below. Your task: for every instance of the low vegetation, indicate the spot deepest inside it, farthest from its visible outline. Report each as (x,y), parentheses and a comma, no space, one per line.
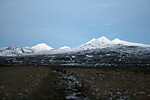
(61,83)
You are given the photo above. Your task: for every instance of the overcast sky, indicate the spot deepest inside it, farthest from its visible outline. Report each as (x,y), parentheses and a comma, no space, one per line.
(72,22)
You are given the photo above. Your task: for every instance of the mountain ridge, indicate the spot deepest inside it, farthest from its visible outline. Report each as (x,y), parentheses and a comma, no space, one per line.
(94,43)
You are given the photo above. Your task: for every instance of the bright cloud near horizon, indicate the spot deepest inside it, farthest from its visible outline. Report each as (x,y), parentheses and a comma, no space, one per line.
(72,22)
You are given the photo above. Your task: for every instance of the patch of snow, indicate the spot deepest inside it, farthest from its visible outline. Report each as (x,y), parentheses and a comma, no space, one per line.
(89,56)
(73,56)
(141,92)
(70,97)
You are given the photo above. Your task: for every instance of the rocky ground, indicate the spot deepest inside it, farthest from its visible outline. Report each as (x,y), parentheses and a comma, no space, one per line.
(74,83)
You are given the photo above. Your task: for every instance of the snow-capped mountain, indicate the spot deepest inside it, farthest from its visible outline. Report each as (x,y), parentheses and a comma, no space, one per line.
(15,51)
(104,42)
(64,47)
(41,47)
(96,43)
(99,43)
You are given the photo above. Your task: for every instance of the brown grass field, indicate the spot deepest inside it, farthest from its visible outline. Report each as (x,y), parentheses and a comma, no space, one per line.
(47,83)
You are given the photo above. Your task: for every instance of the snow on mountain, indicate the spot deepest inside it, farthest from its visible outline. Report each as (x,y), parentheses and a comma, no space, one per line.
(118,41)
(99,43)
(64,47)
(42,47)
(15,51)
(96,43)
(90,41)
(104,42)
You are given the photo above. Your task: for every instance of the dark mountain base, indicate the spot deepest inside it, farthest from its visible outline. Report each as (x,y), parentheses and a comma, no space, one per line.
(119,56)
(73,60)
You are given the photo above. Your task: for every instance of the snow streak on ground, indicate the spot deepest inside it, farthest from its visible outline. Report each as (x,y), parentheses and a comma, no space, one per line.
(71,86)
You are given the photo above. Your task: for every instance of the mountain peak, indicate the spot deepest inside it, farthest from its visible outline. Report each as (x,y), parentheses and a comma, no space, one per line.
(42,44)
(64,47)
(41,47)
(103,39)
(116,40)
(96,43)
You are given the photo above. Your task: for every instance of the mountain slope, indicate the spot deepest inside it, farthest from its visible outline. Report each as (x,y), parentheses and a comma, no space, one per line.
(15,51)
(118,41)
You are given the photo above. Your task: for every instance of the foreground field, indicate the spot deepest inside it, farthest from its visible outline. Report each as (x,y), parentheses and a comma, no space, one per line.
(60,83)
